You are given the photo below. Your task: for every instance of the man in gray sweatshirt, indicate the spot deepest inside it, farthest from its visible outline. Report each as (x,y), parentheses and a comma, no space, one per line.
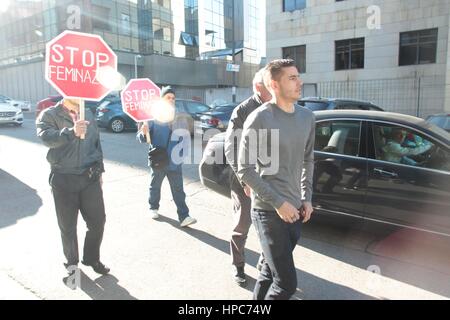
(276,161)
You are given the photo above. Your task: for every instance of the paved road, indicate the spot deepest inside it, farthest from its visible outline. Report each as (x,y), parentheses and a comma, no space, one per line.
(158,260)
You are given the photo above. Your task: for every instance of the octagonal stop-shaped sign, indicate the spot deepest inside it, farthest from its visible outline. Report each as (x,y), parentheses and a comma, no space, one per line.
(74,63)
(139,97)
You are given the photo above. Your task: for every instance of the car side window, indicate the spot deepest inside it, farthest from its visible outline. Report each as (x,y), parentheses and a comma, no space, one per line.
(397,144)
(194,107)
(340,137)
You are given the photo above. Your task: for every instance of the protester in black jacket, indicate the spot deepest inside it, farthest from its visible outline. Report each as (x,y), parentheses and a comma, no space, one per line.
(76,179)
(239,192)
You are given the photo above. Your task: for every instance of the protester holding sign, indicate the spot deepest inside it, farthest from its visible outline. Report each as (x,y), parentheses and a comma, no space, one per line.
(74,64)
(166,138)
(76,179)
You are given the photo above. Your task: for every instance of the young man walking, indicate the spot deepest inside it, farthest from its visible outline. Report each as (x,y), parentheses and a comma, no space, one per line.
(281,190)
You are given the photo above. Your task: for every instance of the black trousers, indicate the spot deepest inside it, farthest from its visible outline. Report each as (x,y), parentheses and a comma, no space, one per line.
(278,277)
(73,194)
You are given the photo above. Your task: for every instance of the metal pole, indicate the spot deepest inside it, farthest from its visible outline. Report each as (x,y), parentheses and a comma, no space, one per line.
(135,67)
(234,51)
(418,98)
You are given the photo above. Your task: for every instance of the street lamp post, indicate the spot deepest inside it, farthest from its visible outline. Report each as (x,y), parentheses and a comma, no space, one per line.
(138,56)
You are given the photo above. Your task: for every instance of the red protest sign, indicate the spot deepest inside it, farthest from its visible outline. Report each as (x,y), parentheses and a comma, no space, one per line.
(73,61)
(139,98)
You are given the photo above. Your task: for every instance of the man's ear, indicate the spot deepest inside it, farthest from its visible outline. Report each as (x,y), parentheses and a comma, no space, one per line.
(274,85)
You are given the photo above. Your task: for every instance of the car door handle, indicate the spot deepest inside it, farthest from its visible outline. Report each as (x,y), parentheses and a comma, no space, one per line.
(385,173)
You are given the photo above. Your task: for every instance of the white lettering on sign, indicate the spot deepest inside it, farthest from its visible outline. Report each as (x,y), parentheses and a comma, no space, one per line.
(139,94)
(72,74)
(135,106)
(89,58)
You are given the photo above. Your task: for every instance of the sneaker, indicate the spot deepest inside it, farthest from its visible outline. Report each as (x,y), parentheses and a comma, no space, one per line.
(239,276)
(260,263)
(72,280)
(154,214)
(187,221)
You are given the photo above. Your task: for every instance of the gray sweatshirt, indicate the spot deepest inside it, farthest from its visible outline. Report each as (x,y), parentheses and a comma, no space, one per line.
(279,166)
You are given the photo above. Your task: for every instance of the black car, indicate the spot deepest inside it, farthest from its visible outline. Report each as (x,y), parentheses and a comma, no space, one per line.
(191,111)
(321,104)
(355,180)
(441,120)
(217,118)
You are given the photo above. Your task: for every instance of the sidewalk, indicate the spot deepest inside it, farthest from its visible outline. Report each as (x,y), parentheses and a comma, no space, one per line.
(12,290)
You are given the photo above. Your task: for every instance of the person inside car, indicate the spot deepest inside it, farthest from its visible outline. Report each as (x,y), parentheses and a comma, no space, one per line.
(395,151)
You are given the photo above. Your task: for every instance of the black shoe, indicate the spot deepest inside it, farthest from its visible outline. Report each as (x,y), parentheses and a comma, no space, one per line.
(98,267)
(239,276)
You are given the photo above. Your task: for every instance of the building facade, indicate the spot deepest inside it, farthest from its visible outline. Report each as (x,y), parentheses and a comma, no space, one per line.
(394,53)
(162,39)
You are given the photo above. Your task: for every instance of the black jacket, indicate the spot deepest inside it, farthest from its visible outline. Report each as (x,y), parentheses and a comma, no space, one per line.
(234,131)
(69,154)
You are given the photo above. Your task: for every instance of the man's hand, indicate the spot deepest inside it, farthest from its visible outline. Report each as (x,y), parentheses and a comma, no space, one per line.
(247,191)
(306,210)
(80,127)
(144,128)
(288,213)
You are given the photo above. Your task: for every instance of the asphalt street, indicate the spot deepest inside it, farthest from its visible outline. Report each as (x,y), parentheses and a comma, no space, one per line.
(159,260)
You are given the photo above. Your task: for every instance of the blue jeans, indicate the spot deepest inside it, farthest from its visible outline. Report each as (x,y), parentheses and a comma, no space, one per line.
(176,186)
(278,277)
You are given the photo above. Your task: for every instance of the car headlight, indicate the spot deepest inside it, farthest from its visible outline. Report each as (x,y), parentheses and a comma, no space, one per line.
(18,112)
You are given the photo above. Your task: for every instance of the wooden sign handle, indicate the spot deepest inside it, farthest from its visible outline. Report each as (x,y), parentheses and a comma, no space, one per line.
(82,117)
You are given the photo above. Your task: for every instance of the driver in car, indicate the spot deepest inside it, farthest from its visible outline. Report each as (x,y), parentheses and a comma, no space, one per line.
(394,151)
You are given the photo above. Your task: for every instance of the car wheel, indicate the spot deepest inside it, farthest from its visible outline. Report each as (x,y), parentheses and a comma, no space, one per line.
(117,125)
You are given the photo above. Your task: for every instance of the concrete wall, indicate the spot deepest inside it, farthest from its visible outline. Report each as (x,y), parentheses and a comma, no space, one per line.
(324,21)
(25,82)
(226,94)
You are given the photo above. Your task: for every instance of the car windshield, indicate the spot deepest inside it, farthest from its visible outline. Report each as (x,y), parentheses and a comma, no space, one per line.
(441,121)
(314,105)
(224,108)
(194,107)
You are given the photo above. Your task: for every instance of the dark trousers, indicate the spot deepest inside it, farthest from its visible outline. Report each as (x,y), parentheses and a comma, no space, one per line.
(277,279)
(73,194)
(241,223)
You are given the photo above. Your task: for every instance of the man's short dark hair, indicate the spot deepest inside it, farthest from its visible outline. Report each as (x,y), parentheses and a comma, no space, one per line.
(275,68)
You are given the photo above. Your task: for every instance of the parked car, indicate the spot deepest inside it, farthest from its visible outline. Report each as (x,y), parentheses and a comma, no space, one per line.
(23,105)
(320,104)
(441,120)
(53,100)
(48,102)
(191,111)
(10,114)
(354,181)
(110,115)
(216,118)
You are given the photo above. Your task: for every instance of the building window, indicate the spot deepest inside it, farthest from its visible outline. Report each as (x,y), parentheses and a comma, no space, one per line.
(418,47)
(292,5)
(298,54)
(350,54)
(125,24)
